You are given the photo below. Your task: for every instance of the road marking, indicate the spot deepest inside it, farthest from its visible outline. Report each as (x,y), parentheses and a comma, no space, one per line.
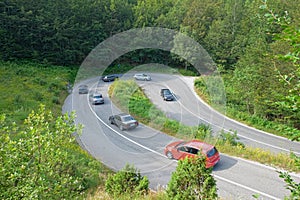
(157,153)
(130,140)
(257,141)
(246,187)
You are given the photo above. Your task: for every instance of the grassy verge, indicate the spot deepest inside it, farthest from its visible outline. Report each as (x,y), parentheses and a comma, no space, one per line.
(251,120)
(130,98)
(26,85)
(100,194)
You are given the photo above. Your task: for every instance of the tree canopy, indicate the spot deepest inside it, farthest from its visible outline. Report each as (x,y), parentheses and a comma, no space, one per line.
(236,33)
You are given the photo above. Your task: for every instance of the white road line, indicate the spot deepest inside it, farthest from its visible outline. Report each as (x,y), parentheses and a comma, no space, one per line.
(257,141)
(246,187)
(157,153)
(130,140)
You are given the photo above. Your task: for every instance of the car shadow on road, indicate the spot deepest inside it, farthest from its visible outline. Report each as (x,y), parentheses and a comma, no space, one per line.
(225,163)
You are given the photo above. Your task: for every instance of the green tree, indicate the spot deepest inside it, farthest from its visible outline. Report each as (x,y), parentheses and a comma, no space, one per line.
(223,39)
(41,162)
(192,180)
(198,18)
(151,12)
(127,181)
(289,35)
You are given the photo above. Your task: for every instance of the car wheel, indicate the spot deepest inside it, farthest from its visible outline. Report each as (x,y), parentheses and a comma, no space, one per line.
(121,128)
(111,121)
(169,155)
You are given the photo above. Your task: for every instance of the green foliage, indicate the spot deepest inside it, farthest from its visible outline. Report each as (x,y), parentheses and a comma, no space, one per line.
(117,69)
(293,186)
(43,161)
(186,72)
(57,31)
(290,35)
(127,181)
(203,132)
(130,98)
(192,180)
(27,84)
(230,138)
(227,142)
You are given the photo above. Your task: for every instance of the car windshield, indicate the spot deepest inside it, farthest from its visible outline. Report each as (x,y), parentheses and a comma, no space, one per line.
(180,144)
(98,96)
(127,118)
(211,152)
(167,92)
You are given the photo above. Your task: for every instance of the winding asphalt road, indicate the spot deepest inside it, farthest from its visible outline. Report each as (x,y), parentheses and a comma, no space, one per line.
(143,147)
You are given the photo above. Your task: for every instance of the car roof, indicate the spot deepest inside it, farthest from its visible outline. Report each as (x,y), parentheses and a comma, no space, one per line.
(197,144)
(142,74)
(124,114)
(96,94)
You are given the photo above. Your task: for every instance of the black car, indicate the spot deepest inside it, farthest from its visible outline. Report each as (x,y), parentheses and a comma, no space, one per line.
(123,121)
(109,78)
(167,94)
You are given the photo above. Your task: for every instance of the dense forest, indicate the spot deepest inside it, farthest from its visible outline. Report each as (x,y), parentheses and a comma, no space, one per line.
(240,35)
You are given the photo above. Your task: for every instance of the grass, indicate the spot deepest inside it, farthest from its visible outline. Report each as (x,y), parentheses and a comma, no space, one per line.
(100,194)
(235,112)
(130,98)
(25,85)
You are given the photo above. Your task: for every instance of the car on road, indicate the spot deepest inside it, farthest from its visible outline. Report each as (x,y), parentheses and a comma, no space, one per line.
(123,121)
(109,78)
(142,77)
(166,94)
(96,98)
(179,150)
(83,89)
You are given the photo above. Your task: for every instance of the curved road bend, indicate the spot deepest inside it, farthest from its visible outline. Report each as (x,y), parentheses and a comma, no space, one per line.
(191,110)
(143,147)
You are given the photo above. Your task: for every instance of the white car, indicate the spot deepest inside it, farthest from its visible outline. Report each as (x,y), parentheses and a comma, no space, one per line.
(142,77)
(96,98)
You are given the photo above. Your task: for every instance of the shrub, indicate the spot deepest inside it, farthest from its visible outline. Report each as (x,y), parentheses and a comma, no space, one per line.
(129,181)
(230,138)
(43,161)
(192,180)
(203,131)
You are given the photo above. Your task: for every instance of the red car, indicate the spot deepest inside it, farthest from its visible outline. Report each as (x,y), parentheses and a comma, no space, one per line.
(181,149)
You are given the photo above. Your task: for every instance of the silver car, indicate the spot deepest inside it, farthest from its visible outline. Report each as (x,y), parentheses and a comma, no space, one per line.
(83,89)
(142,77)
(123,121)
(96,98)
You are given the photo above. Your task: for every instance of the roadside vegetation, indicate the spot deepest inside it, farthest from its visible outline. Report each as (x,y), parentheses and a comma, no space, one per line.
(240,112)
(44,161)
(255,45)
(25,85)
(39,157)
(247,58)
(129,97)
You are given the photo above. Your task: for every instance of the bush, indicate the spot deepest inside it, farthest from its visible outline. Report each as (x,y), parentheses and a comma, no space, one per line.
(203,131)
(230,138)
(43,161)
(192,180)
(128,181)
